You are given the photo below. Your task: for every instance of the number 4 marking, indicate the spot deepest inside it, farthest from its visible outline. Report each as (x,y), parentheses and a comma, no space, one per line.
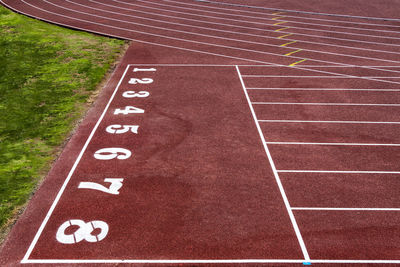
(116,184)
(128,110)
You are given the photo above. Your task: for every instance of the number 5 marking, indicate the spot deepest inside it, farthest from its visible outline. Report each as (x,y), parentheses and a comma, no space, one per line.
(141,81)
(112,153)
(116,184)
(120,129)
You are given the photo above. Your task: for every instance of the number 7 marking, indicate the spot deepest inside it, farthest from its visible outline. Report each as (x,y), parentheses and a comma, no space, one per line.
(116,184)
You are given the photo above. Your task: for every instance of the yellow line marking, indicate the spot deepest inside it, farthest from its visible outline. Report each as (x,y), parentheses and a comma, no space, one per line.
(283,36)
(278,18)
(281,29)
(280,22)
(291,65)
(288,43)
(291,53)
(277,13)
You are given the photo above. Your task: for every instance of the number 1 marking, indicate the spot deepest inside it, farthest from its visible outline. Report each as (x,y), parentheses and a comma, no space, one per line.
(137,69)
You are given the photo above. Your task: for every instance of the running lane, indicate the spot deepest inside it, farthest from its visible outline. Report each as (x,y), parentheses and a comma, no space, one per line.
(228,134)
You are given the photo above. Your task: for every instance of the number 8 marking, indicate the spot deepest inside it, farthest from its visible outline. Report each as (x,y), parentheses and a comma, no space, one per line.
(83,233)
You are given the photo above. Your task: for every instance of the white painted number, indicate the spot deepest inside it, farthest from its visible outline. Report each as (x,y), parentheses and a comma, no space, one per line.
(137,69)
(112,153)
(83,233)
(128,110)
(141,81)
(131,94)
(120,129)
(116,184)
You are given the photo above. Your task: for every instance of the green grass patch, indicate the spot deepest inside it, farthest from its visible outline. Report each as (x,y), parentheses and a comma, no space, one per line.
(47,75)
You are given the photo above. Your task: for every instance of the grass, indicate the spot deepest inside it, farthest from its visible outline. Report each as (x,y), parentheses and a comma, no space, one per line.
(47,75)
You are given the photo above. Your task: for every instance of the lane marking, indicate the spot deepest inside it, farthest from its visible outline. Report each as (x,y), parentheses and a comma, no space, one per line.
(71,172)
(326,104)
(213,261)
(219,37)
(260,29)
(279,23)
(276,175)
(283,36)
(330,144)
(180,39)
(297,62)
(360,122)
(291,53)
(326,89)
(319,76)
(278,30)
(262,23)
(348,172)
(274,18)
(276,13)
(289,43)
(347,209)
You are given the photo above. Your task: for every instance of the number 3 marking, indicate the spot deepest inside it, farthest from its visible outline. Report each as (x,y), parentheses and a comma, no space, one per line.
(84,232)
(112,153)
(132,94)
(116,184)
(120,129)
(141,81)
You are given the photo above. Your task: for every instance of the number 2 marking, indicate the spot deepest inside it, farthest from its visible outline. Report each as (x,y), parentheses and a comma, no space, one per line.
(132,94)
(141,81)
(116,184)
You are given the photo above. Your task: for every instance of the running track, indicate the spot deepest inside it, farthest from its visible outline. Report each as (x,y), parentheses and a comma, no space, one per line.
(228,134)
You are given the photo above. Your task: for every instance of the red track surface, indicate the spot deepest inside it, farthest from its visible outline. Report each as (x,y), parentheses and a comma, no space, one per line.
(262,137)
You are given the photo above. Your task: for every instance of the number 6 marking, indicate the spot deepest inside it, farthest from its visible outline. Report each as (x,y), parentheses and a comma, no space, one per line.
(120,129)
(132,94)
(116,184)
(111,153)
(84,232)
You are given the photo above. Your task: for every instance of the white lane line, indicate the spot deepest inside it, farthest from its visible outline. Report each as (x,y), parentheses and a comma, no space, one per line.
(322,77)
(326,104)
(326,89)
(260,29)
(224,38)
(197,42)
(227,25)
(205,261)
(330,144)
(348,172)
(346,209)
(297,11)
(264,24)
(71,172)
(276,175)
(356,122)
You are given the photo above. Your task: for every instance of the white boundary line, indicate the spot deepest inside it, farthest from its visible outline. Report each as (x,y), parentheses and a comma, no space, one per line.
(330,144)
(322,77)
(326,104)
(296,11)
(346,209)
(211,44)
(264,24)
(361,122)
(326,89)
(53,206)
(233,32)
(261,29)
(278,181)
(322,171)
(232,261)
